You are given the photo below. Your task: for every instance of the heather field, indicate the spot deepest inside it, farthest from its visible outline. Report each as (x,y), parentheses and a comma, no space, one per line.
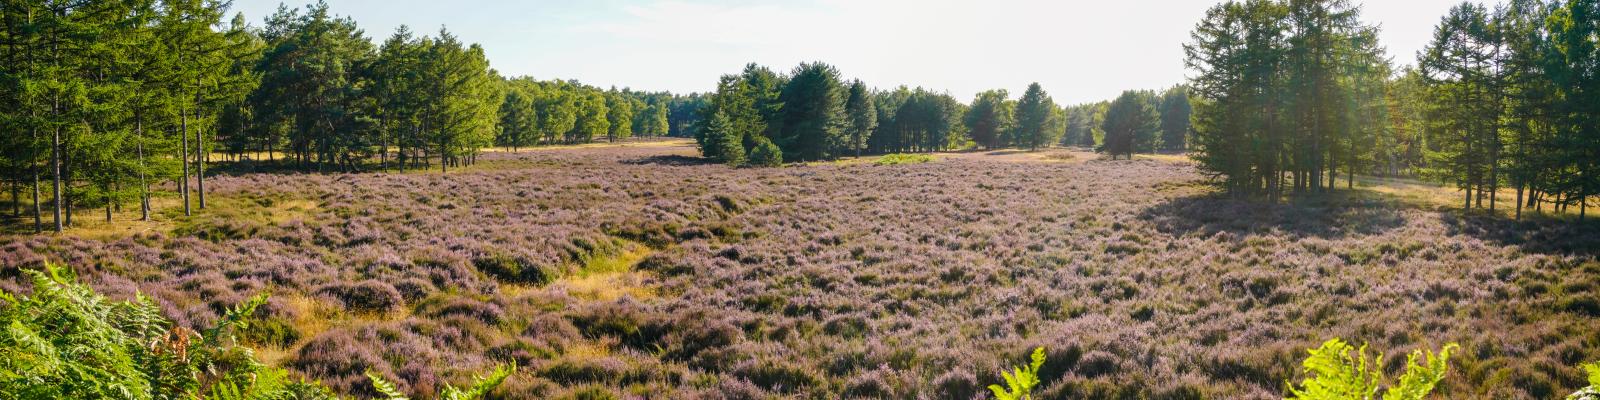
(642,272)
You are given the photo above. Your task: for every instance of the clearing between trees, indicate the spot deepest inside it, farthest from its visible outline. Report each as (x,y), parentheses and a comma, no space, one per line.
(642,269)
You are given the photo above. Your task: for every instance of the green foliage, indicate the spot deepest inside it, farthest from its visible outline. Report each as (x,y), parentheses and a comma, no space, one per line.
(721,141)
(989,118)
(862,111)
(1592,392)
(1175,110)
(898,158)
(66,341)
(481,385)
(766,154)
(1131,123)
(1036,118)
(1021,380)
(813,117)
(1342,372)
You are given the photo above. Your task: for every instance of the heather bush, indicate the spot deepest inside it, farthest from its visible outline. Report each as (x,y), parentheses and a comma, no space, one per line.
(822,273)
(463,306)
(368,296)
(511,269)
(777,374)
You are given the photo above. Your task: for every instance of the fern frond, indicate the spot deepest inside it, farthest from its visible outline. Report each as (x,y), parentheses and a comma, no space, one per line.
(1419,379)
(1594,373)
(1338,371)
(1021,380)
(482,385)
(385,387)
(236,316)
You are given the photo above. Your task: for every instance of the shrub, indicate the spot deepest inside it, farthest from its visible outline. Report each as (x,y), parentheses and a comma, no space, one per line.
(955,384)
(1341,372)
(778,375)
(897,159)
(1021,380)
(488,313)
(368,296)
(765,154)
(575,369)
(514,270)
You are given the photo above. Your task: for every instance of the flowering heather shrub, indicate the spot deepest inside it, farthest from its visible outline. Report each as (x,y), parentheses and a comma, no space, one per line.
(368,296)
(919,280)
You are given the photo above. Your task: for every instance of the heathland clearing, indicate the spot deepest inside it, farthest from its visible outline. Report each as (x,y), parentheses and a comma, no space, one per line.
(640,269)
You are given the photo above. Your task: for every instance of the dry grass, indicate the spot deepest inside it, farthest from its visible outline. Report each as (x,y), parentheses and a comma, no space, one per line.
(609,277)
(1182,158)
(166,216)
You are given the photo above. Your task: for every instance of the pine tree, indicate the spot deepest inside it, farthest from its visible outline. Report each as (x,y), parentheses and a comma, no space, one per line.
(812,118)
(519,121)
(1036,122)
(989,118)
(1130,123)
(863,115)
(1175,110)
(1464,102)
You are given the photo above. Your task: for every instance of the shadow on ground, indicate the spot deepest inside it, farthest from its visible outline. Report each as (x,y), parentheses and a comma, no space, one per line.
(1343,214)
(675,160)
(1332,216)
(1534,234)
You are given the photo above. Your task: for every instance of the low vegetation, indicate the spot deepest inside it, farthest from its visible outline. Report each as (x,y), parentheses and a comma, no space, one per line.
(686,279)
(897,159)
(1339,371)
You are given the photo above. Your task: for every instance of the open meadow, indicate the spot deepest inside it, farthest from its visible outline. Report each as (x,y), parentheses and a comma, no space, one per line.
(643,271)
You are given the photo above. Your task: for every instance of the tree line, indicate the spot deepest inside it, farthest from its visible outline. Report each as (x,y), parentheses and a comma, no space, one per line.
(1288,94)
(761,117)
(1137,121)
(106,102)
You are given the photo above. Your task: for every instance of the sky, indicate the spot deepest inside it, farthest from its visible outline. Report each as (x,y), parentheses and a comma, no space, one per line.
(1079,51)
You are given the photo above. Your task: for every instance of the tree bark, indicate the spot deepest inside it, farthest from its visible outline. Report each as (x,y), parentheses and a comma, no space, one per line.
(183,155)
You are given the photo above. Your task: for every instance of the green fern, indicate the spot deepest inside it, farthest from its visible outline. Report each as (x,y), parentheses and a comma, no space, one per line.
(1021,380)
(1340,371)
(1593,391)
(481,385)
(384,387)
(1420,379)
(66,341)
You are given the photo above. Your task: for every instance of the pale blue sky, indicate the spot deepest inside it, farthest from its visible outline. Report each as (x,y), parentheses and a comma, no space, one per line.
(1078,50)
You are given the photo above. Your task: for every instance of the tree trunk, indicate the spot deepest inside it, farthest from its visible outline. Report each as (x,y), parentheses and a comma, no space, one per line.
(144,185)
(55,166)
(1519,201)
(183,155)
(200,156)
(38,210)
